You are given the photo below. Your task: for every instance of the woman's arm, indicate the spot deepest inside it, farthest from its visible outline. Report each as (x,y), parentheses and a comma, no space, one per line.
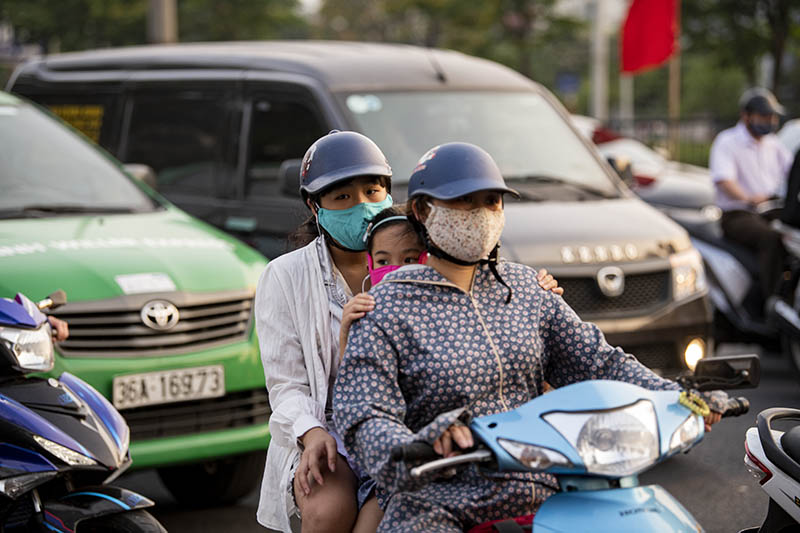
(577,351)
(294,412)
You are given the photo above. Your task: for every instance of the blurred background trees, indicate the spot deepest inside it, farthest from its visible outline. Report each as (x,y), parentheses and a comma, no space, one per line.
(727,45)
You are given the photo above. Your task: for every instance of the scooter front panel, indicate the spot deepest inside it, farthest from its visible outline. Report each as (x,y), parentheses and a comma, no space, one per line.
(632,510)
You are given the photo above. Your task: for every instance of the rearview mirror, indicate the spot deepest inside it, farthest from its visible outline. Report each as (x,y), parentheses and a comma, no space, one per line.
(142,173)
(53,300)
(289,174)
(730,372)
(623,168)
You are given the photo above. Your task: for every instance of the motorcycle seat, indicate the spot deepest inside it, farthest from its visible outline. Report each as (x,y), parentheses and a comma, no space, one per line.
(517,524)
(790,442)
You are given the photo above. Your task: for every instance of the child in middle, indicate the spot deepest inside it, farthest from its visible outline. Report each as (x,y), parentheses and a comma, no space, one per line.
(391,244)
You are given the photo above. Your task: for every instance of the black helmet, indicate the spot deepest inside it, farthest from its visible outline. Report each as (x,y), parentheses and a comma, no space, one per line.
(454,169)
(760,100)
(339,156)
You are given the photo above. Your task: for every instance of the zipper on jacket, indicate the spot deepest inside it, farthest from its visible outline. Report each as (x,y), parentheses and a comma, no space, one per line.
(494,350)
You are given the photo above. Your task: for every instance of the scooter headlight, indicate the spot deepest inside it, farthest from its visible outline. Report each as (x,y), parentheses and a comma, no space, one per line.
(32,348)
(534,457)
(619,442)
(70,457)
(686,434)
(688,274)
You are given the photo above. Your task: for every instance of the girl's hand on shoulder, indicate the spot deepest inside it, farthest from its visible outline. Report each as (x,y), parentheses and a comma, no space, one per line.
(548,282)
(358,306)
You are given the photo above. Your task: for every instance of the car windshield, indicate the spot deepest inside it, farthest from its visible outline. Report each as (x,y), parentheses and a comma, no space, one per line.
(46,170)
(529,139)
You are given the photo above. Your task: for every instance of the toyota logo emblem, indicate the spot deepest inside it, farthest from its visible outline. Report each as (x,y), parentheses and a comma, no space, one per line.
(159,315)
(611,281)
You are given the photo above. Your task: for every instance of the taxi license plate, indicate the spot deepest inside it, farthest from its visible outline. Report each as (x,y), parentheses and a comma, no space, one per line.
(168,386)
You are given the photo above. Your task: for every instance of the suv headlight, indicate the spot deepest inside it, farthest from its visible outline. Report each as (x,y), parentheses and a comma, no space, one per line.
(33,348)
(688,274)
(620,442)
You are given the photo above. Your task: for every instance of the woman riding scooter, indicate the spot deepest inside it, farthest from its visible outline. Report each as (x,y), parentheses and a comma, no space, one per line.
(464,335)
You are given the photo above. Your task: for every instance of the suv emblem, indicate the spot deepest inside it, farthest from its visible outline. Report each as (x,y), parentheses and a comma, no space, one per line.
(159,315)
(611,281)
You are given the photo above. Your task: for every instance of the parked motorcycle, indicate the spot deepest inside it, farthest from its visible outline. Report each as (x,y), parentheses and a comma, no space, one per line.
(742,312)
(773,457)
(596,437)
(62,441)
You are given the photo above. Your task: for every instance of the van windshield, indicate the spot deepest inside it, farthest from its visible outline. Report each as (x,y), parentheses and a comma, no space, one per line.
(531,142)
(48,170)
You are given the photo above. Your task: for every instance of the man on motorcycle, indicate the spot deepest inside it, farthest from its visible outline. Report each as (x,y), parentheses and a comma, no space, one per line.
(749,165)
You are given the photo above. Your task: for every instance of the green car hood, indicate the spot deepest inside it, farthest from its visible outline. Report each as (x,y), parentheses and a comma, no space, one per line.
(84,255)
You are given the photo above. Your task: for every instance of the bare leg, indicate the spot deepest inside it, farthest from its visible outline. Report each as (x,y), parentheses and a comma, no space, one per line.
(369,517)
(332,506)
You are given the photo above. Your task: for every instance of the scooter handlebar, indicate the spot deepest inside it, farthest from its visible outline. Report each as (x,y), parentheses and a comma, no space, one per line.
(736,407)
(414,451)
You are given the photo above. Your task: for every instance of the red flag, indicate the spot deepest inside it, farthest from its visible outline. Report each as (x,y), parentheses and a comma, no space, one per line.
(648,35)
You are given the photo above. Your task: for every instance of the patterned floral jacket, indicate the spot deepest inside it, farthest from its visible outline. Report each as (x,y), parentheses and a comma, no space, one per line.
(429,351)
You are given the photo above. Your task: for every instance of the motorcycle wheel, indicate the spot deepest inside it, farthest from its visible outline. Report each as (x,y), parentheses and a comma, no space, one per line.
(214,483)
(138,521)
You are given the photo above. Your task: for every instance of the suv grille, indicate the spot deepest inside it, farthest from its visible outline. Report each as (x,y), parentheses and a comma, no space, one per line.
(236,409)
(115,327)
(661,358)
(643,292)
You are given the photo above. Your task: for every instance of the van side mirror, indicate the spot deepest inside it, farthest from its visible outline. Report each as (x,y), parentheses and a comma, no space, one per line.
(142,173)
(623,168)
(289,174)
(730,372)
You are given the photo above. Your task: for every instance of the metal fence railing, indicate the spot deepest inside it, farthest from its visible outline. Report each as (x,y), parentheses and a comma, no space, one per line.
(688,140)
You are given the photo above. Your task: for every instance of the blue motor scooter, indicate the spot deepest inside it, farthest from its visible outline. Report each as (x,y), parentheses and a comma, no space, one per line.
(61,442)
(595,437)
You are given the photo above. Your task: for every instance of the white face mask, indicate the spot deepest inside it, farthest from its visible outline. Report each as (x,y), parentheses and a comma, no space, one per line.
(465,235)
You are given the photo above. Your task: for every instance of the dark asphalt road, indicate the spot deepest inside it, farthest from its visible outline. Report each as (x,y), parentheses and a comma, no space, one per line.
(710,481)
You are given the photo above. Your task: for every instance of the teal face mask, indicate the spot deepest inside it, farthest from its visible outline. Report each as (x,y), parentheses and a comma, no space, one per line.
(348,226)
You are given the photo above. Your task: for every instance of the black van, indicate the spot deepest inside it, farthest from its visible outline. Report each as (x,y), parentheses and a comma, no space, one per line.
(224,124)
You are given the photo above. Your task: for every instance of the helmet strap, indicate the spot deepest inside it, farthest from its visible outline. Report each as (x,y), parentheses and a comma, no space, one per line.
(438,252)
(492,262)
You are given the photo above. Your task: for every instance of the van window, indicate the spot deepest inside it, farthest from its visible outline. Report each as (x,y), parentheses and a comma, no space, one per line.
(182,136)
(531,142)
(94,115)
(281,128)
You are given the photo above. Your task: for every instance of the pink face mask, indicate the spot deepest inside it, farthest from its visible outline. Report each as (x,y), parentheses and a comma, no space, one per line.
(377,274)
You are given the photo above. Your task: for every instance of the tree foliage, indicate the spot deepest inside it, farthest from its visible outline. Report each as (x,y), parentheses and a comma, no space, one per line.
(83,24)
(509,31)
(740,32)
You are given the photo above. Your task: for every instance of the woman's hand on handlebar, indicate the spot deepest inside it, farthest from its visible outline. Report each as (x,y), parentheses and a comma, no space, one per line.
(457,434)
(319,447)
(60,328)
(712,418)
